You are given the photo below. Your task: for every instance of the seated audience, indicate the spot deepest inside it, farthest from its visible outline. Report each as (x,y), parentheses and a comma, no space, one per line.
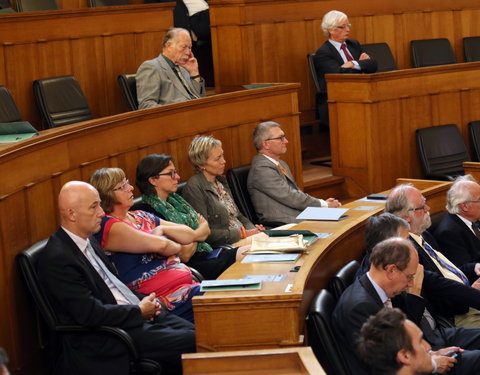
(338,55)
(458,232)
(208,192)
(173,76)
(83,289)
(391,344)
(145,251)
(394,264)
(157,180)
(275,195)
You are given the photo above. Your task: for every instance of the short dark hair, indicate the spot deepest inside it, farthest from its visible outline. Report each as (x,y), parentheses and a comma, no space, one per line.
(382,336)
(394,250)
(381,227)
(150,166)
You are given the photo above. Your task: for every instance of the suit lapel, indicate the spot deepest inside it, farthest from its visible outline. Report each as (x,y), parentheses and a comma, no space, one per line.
(172,76)
(334,52)
(368,286)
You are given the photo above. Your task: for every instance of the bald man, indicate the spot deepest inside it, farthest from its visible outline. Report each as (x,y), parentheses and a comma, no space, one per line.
(83,290)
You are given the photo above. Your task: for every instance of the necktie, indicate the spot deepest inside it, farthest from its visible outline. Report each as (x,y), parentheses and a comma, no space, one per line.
(280,166)
(388,303)
(345,51)
(475,229)
(185,83)
(445,265)
(105,273)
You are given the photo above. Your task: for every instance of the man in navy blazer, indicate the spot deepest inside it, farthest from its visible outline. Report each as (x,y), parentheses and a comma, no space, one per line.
(457,232)
(81,293)
(338,55)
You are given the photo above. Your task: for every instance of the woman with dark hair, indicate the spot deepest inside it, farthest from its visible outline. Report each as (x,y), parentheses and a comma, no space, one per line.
(158,180)
(145,250)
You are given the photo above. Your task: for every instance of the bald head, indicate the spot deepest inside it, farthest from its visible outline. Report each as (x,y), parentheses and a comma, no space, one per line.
(80,211)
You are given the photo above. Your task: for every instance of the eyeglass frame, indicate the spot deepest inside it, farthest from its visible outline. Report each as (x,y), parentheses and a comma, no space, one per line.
(281,138)
(172,174)
(343,27)
(421,208)
(472,201)
(123,187)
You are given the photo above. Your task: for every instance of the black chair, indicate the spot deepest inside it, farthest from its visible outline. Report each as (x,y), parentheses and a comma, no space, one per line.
(27,264)
(442,152)
(61,101)
(33,5)
(471,48)
(382,54)
(474,130)
(106,3)
(128,85)
(8,109)
(432,52)
(344,277)
(320,335)
(319,93)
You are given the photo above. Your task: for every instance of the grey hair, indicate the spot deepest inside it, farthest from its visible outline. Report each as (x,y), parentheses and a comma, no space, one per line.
(331,19)
(397,201)
(459,192)
(200,148)
(172,34)
(382,227)
(262,132)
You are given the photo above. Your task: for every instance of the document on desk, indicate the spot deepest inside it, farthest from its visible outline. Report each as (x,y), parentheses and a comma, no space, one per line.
(322,213)
(271,258)
(230,284)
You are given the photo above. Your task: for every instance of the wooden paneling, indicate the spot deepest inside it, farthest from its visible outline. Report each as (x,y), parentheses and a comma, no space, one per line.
(34,170)
(268,40)
(374,118)
(93,44)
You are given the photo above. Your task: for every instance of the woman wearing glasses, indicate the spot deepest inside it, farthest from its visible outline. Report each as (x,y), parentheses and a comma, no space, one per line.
(208,192)
(157,180)
(145,250)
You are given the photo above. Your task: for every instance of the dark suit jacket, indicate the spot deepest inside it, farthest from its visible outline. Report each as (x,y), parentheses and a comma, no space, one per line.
(328,60)
(457,242)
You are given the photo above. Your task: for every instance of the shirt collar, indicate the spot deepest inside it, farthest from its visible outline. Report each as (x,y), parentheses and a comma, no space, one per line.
(467,222)
(337,45)
(79,241)
(276,162)
(381,293)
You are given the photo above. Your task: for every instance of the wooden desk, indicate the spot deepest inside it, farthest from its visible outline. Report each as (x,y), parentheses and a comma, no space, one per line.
(34,170)
(472,168)
(273,317)
(271,361)
(373,119)
(268,40)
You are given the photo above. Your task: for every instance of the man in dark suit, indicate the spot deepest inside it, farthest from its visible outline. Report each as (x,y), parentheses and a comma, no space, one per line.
(394,264)
(457,232)
(83,290)
(338,55)
(274,193)
(391,344)
(407,202)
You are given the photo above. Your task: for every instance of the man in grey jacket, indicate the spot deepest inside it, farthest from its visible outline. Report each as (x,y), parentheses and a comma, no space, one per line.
(275,195)
(173,76)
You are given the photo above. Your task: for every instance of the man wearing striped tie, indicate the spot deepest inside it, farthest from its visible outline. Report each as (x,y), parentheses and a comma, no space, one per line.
(275,195)
(407,202)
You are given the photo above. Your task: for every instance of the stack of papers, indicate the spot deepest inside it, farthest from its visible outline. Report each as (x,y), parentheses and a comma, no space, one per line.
(230,284)
(275,245)
(322,213)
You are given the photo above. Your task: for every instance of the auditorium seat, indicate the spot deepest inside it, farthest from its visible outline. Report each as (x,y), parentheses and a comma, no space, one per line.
(432,52)
(33,5)
(382,54)
(320,335)
(442,152)
(128,86)
(319,94)
(27,264)
(61,101)
(474,130)
(106,3)
(343,278)
(8,109)
(471,48)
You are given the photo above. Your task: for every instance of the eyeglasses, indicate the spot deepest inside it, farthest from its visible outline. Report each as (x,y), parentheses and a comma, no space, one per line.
(472,201)
(171,173)
(410,277)
(421,208)
(124,186)
(281,138)
(343,27)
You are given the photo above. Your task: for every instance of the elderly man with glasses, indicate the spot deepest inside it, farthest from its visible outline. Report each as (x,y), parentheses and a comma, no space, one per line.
(338,55)
(458,233)
(275,195)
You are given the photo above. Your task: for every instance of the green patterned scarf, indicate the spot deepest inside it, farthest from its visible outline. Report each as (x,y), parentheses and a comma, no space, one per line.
(177,210)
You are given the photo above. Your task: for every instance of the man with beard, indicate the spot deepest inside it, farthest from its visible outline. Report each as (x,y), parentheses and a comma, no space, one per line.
(407,202)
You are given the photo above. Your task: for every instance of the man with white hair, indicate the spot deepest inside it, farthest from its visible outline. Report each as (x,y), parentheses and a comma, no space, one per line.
(458,234)
(338,55)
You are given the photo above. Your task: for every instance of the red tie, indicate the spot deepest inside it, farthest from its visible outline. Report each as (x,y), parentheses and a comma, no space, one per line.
(345,51)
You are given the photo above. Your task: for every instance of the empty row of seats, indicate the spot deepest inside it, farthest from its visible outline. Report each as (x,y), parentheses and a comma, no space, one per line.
(39,5)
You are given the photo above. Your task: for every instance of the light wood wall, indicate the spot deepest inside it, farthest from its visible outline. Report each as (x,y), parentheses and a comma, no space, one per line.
(268,40)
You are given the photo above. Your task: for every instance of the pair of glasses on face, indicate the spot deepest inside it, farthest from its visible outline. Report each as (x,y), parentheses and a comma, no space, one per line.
(281,139)
(343,27)
(171,173)
(421,208)
(124,186)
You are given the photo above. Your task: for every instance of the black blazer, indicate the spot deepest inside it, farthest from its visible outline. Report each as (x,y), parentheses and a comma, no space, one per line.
(457,242)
